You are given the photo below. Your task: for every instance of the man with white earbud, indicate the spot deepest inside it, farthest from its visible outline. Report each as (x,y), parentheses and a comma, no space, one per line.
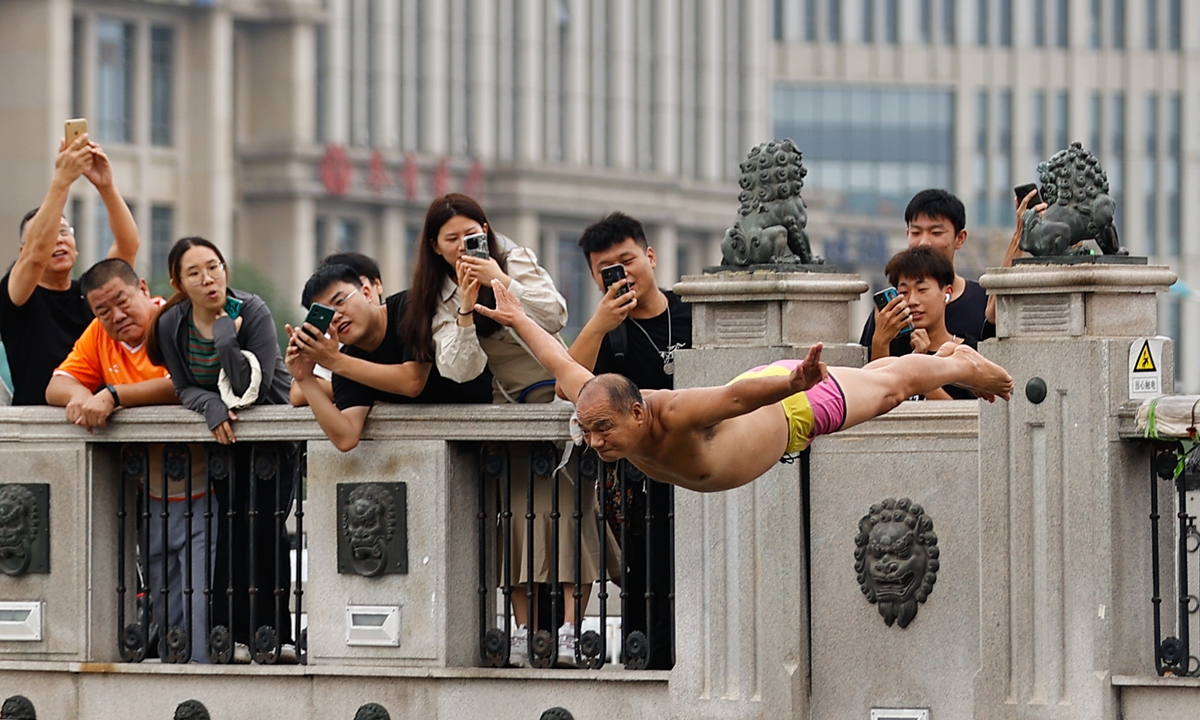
(924,279)
(938,220)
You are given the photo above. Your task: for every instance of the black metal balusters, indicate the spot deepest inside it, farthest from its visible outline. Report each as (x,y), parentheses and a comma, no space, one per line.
(301,635)
(133,639)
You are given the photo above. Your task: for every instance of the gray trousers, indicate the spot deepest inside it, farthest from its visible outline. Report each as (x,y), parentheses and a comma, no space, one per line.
(176,552)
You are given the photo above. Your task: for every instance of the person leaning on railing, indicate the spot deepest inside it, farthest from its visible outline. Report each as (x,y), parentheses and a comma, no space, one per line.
(442,325)
(369,360)
(220,347)
(108,369)
(369,273)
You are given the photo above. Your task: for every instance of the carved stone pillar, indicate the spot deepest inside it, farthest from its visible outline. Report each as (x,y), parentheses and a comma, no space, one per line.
(1064,548)
(741,601)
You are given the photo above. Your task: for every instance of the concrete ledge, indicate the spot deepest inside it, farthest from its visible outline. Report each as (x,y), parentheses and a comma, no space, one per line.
(609,673)
(282,422)
(1154,698)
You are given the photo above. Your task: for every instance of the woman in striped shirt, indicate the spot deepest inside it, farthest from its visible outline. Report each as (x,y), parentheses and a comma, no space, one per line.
(220,346)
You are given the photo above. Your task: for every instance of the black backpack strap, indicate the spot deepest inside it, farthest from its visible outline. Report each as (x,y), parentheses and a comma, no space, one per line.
(618,340)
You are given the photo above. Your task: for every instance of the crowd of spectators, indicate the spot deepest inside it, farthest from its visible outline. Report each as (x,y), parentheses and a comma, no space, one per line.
(102,342)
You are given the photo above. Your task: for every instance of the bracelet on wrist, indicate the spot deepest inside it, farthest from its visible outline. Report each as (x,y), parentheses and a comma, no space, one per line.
(464,314)
(112,390)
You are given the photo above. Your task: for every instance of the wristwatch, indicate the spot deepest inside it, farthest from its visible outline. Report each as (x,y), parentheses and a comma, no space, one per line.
(112,390)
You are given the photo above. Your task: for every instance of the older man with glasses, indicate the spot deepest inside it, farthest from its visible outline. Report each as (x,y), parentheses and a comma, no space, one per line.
(42,310)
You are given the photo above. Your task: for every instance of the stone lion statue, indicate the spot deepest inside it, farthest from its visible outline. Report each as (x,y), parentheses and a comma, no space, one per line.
(770,226)
(369,521)
(18,707)
(19,527)
(372,711)
(896,557)
(1075,188)
(191,710)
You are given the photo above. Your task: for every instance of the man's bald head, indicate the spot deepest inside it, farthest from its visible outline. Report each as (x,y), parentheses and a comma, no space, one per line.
(617,391)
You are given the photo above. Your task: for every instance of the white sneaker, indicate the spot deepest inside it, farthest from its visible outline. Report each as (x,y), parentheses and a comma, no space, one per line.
(566,645)
(518,647)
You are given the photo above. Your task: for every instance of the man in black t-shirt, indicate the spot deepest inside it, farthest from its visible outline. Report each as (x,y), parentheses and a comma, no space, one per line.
(373,365)
(636,334)
(935,219)
(42,311)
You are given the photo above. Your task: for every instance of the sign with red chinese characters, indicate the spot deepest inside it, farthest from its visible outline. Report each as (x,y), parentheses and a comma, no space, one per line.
(441,178)
(410,176)
(474,183)
(377,178)
(336,170)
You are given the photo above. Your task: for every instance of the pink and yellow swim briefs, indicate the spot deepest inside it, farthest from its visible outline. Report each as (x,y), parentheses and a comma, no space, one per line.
(820,410)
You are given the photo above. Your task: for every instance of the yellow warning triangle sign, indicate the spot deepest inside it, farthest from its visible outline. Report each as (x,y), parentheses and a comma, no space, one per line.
(1145,361)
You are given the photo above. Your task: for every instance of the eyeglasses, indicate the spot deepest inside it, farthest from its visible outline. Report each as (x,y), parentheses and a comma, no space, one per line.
(341,302)
(67,231)
(214,270)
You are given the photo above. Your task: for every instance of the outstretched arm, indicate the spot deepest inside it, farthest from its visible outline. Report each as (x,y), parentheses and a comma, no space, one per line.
(549,352)
(705,407)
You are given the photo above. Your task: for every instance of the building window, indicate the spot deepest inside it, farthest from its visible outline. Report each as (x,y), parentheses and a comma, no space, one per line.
(1152,24)
(833,21)
(321,89)
(810,20)
(927,21)
(1172,174)
(1118,24)
(1062,23)
(114,80)
(1039,23)
(892,21)
(1002,163)
(949,34)
(320,239)
(573,280)
(348,235)
(1115,165)
(1096,104)
(1151,185)
(777,19)
(162,56)
(162,234)
(1039,128)
(78,30)
(1174,24)
(981,22)
(982,113)
(1006,11)
(875,147)
(1062,122)
(868,21)
(104,234)
(1097,24)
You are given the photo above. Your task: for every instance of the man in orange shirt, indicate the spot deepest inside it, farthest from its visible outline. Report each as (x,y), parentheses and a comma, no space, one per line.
(108,369)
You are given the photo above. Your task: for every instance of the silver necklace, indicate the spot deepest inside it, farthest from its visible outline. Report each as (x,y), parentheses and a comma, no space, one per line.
(668,355)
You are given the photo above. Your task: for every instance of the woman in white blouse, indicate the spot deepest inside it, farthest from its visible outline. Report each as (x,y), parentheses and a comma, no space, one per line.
(441,325)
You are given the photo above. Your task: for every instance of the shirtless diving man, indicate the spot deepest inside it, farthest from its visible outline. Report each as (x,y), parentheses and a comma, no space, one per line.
(717,438)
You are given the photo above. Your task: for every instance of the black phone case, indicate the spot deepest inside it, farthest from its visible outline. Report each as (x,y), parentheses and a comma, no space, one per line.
(319,316)
(610,275)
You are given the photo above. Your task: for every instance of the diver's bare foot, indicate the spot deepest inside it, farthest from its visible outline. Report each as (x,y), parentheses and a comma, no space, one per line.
(988,380)
(947,348)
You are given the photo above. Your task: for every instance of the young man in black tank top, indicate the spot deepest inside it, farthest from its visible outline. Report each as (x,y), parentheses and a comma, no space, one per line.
(42,311)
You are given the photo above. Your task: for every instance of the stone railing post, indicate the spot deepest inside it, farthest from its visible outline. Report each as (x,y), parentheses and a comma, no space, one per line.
(740,576)
(1064,540)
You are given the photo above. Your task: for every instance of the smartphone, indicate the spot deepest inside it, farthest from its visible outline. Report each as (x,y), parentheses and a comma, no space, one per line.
(74,128)
(885,296)
(233,307)
(476,245)
(611,274)
(1022,190)
(319,316)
